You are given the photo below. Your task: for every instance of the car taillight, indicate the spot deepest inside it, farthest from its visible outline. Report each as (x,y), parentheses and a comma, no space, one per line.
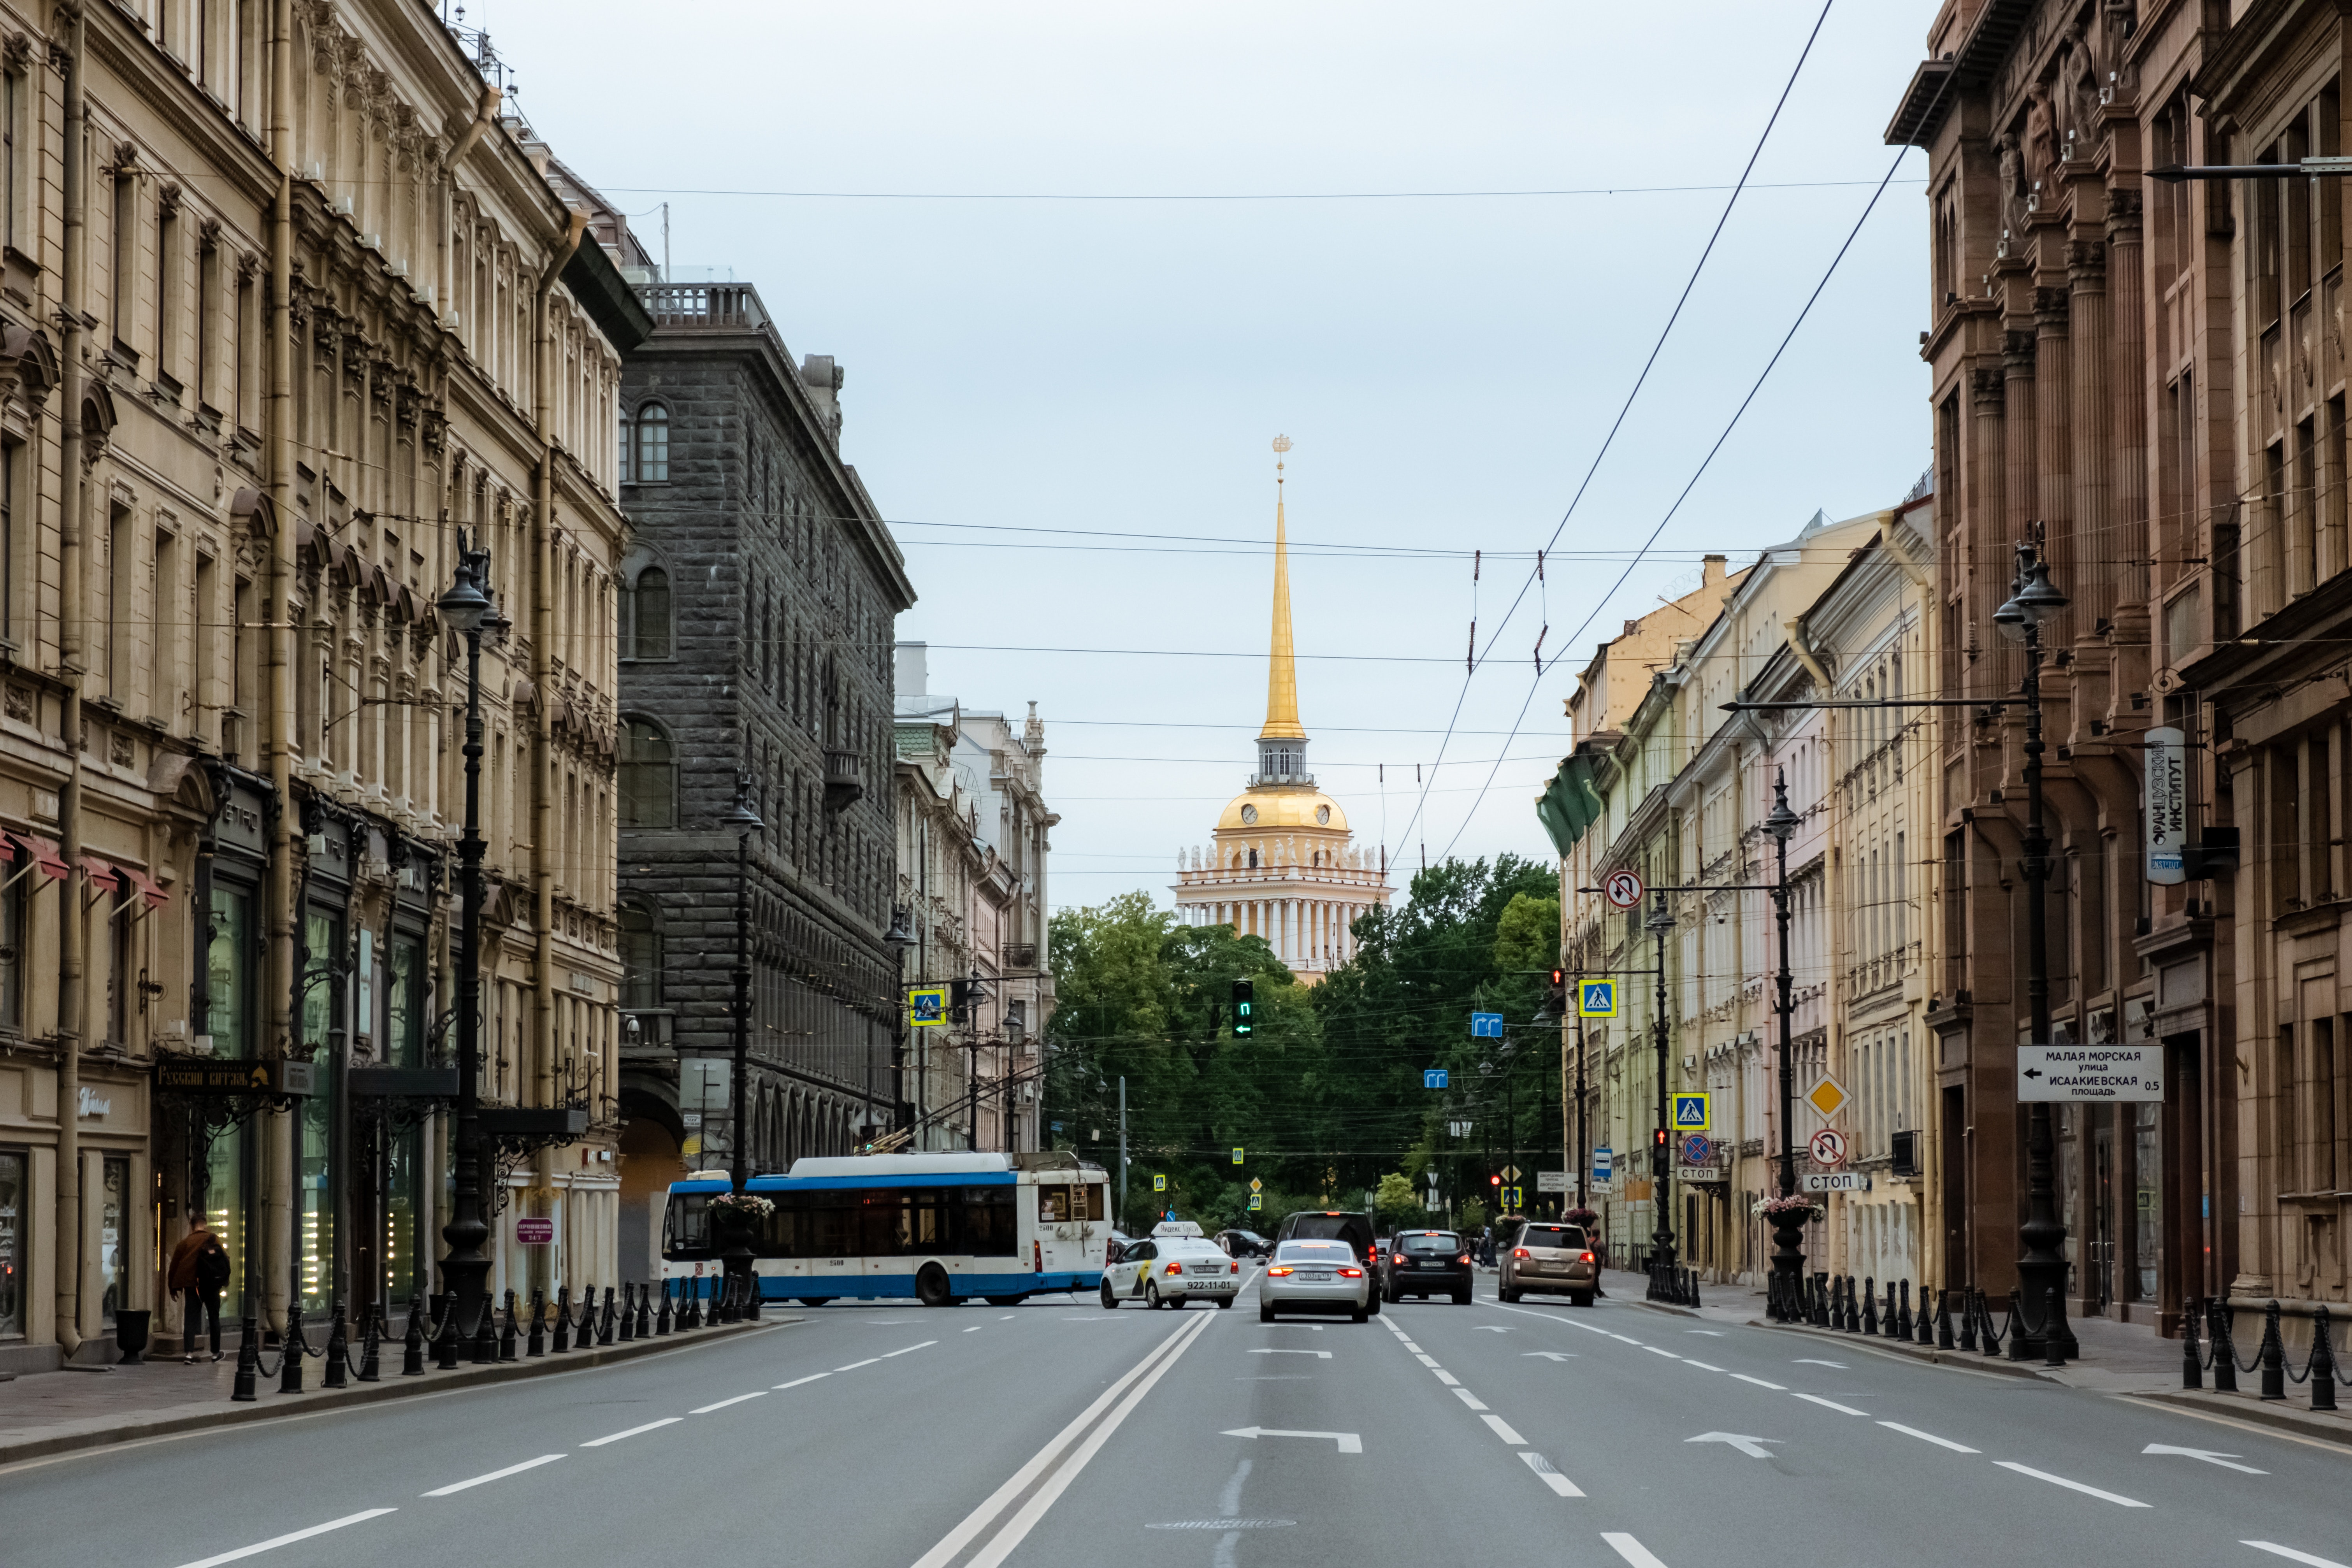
(1236,1268)
(1398,1257)
(1586,1259)
(1280,1268)
(1175,1269)
(1518,1252)
(1351,1274)
(1464,1258)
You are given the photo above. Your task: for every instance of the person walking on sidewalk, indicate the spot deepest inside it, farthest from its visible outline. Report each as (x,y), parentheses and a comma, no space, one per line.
(199,1272)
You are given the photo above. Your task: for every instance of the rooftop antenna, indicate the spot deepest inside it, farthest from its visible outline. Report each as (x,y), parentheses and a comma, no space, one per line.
(665,242)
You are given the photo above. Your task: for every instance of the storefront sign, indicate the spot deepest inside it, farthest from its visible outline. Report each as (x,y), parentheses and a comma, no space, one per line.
(2090,1072)
(94,1103)
(2167,789)
(532,1230)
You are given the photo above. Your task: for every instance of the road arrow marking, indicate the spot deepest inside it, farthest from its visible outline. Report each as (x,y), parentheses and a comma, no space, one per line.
(1551,1355)
(1810,1360)
(1751,1447)
(2207,1455)
(1349,1443)
(1323,1355)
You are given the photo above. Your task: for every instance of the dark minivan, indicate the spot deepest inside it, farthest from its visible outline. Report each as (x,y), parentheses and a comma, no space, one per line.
(1335,1224)
(1426,1263)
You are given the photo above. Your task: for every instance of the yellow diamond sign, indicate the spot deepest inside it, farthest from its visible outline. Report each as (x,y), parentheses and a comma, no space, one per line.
(1825,1097)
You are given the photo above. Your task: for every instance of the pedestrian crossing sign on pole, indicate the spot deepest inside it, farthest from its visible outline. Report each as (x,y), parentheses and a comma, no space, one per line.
(1158,1184)
(1238,1156)
(1596,998)
(927,1006)
(1255,1203)
(1691,1113)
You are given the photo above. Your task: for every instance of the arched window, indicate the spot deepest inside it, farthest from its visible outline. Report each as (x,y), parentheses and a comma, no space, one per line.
(640,958)
(653,444)
(648,776)
(649,615)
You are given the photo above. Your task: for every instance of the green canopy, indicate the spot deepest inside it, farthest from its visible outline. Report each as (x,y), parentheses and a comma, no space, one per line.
(1570,804)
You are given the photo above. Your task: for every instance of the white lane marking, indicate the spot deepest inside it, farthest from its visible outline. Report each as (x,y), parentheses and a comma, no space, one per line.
(2207,1455)
(1930,1437)
(853,1366)
(706,1409)
(798,1381)
(1447,1378)
(1008,1317)
(2272,1547)
(1702,1366)
(1425,1359)
(1815,1360)
(276,1541)
(1502,1430)
(1316,1327)
(1630,1549)
(616,1436)
(1268,1350)
(1833,1404)
(1550,1477)
(1548,1317)
(910,1350)
(1550,1355)
(1470,1399)
(1349,1442)
(495,1475)
(2071,1486)
(975,1327)
(1710,1333)
(1751,1447)
(1408,1345)
(1493,1329)
(1621,1337)
(952,1544)
(1655,1351)
(1775,1387)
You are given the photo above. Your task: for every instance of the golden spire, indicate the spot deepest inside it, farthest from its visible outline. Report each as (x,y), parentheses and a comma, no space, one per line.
(1282,669)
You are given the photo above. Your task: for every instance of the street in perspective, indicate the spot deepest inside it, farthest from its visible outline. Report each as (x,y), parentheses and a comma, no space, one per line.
(1801,1011)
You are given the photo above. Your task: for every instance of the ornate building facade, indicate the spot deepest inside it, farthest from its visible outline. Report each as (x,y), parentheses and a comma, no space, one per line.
(1281,862)
(272,340)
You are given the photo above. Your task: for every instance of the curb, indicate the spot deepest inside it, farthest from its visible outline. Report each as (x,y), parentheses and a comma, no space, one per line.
(392,1387)
(2256,1412)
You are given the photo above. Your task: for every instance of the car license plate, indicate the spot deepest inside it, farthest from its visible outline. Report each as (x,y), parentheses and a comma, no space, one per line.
(1316,1279)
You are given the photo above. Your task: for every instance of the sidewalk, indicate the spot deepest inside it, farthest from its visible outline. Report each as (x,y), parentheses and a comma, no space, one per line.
(58,1412)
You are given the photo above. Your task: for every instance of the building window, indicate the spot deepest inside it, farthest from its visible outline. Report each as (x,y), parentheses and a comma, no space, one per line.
(13,1201)
(640,958)
(649,615)
(624,445)
(652,465)
(648,776)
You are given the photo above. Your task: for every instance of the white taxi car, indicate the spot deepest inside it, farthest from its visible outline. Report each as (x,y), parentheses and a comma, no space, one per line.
(1170,1271)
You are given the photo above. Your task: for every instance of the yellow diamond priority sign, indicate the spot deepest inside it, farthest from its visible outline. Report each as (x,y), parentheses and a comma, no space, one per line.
(1826,1097)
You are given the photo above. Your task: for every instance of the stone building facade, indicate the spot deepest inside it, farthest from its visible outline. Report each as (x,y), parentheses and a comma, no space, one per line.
(757,603)
(305,330)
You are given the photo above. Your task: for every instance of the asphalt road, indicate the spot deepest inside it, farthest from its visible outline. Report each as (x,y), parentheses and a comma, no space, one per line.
(1057,1434)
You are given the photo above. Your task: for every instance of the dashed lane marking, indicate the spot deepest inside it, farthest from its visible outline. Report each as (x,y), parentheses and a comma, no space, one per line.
(1775,1388)
(1274,1350)
(810,1378)
(1832,1404)
(1470,1399)
(1502,1430)
(1655,1351)
(1630,1549)
(706,1409)
(1550,1476)
(1930,1437)
(910,1350)
(975,1327)
(495,1475)
(853,1366)
(1447,1378)
(632,1432)
(1702,1366)
(2272,1547)
(289,1540)
(2116,1498)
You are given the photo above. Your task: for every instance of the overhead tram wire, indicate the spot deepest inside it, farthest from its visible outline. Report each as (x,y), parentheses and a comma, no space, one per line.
(1210,196)
(1627,408)
(1810,300)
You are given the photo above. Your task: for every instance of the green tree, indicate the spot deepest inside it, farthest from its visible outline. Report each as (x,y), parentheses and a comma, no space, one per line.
(1397,1203)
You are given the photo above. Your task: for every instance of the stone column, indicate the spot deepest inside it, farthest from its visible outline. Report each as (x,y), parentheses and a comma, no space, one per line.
(2127,413)
(2085,559)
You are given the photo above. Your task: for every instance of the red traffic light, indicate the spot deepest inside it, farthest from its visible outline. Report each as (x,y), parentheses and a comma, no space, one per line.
(1658,1138)
(1494,1180)
(1560,977)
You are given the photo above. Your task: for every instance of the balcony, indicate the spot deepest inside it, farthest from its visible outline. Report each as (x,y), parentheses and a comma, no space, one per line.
(845,780)
(706,307)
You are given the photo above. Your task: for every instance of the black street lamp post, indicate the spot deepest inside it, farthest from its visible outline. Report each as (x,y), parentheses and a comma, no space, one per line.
(1662,1154)
(742,1273)
(2042,1271)
(465,608)
(1787,1229)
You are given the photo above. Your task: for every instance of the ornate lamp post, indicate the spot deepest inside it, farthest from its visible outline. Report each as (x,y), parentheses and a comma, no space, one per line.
(1787,1229)
(1662,1154)
(2042,1271)
(465,609)
(740,1272)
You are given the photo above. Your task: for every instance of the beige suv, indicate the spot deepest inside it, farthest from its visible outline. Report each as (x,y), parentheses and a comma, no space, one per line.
(1547,1256)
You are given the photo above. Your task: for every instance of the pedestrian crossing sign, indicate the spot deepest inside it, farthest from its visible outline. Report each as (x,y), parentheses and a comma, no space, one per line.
(1691,1113)
(1255,1203)
(1596,998)
(927,1005)
(1158,1184)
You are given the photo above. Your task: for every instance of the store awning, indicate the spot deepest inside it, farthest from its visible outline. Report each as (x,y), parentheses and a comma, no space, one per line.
(124,882)
(44,853)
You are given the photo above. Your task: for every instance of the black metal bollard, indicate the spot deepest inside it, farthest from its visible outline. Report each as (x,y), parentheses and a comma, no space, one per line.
(1944,1339)
(1967,1339)
(1926,1328)
(1853,1323)
(444,1337)
(2322,1369)
(248,1362)
(485,1335)
(1886,1313)
(412,1343)
(628,1311)
(1903,1314)
(1870,1306)
(2017,1330)
(693,1302)
(339,1348)
(2225,1348)
(289,1363)
(1694,1297)
(2192,1369)
(605,1337)
(662,1323)
(2053,1349)
(535,1343)
(509,1332)
(562,1319)
(645,1310)
(371,1344)
(2274,1354)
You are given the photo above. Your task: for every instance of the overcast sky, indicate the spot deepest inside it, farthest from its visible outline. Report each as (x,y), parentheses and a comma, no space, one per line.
(1447,366)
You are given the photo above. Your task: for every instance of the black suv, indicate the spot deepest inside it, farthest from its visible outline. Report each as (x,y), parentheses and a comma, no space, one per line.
(1335,1224)
(1426,1263)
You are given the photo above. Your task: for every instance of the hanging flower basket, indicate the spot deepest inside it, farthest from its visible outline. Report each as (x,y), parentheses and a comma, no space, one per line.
(1796,1208)
(738,1214)
(1581,1216)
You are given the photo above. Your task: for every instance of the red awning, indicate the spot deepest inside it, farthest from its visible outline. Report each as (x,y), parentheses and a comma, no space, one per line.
(149,889)
(46,854)
(102,874)
(123,881)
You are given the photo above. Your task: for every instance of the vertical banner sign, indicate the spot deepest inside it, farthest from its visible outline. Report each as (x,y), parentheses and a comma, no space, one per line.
(2167,795)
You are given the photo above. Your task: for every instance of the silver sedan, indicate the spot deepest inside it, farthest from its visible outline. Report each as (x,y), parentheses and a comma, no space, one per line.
(1314,1277)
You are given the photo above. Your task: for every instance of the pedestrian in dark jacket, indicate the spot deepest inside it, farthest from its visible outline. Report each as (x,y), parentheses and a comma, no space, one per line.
(199,1272)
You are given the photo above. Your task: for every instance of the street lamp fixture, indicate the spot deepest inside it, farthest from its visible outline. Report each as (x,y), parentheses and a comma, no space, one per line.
(1788,1227)
(742,1273)
(2041,1269)
(1662,1154)
(464,609)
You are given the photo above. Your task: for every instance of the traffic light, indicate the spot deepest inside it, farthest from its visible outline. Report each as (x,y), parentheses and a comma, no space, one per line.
(1245,1008)
(1494,1180)
(1555,998)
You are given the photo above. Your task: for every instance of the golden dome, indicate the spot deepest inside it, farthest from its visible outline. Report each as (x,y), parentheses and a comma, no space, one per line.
(1277,808)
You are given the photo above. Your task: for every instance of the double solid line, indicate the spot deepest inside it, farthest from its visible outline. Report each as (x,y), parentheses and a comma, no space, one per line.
(1014,1508)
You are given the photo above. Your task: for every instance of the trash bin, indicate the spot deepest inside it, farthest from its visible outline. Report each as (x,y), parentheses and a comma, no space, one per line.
(130,1334)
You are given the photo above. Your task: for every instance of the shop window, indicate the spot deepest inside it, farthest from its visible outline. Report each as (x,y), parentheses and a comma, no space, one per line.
(13,1198)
